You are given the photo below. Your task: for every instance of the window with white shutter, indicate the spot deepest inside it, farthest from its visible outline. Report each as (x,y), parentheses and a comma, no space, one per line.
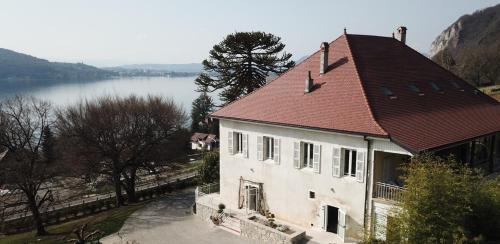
(260,148)
(296,155)
(230,142)
(244,150)
(336,162)
(277,151)
(360,166)
(317,158)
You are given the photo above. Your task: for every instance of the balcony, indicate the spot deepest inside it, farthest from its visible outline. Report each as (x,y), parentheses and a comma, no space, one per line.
(388,192)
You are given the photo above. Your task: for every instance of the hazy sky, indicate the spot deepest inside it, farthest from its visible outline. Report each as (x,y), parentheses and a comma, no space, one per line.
(113,32)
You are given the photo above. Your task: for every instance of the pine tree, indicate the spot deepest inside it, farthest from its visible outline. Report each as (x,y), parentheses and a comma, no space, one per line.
(241,63)
(201,108)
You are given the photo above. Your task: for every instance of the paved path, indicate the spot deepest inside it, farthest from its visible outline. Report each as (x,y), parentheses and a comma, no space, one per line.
(169,220)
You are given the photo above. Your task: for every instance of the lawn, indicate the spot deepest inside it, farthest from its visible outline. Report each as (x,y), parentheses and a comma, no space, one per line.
(108,222)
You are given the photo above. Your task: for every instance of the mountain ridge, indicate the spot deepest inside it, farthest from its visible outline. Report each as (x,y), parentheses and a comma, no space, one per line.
(19,66)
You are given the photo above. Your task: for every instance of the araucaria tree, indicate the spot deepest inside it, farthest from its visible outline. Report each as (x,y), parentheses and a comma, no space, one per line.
(201,108)
(29,165)
(118,136)
(241,63)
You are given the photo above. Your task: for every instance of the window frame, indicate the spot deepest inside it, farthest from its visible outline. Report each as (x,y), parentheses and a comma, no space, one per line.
(308,156)
(238,137)
(351,163)
(268,147)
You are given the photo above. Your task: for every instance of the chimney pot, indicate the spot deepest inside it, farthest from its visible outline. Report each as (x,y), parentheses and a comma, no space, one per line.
(309,83)
(323,62)
(402,34)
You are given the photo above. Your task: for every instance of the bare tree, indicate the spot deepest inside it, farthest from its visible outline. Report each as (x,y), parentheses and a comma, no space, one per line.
(117,136)
(28,165)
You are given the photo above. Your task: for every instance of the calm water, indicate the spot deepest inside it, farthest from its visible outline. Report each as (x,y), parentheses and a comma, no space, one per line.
(181,89)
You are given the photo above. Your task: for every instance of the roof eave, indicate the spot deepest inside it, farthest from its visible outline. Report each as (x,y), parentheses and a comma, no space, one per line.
(303,127)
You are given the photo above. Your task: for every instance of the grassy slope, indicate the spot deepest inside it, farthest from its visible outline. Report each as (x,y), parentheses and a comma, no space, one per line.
(108,221)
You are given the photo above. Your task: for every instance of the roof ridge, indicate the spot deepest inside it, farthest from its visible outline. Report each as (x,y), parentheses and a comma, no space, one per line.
(372,116)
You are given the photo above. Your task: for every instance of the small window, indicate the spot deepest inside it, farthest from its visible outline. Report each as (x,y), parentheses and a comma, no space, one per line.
(268,147)
(456,85)
(238,137)
(386,91)
(308,149)
(435,87)
(414,88)
(312,195)
(349,162)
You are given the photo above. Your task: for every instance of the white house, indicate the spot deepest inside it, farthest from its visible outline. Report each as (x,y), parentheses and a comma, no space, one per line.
(320,145)
(203,141)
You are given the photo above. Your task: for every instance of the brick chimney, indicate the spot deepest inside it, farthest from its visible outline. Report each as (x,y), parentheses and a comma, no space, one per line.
(323,62)
(402,34)
(309,83)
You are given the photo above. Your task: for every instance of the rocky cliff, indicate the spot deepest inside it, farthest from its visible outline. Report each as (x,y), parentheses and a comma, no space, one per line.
(469,31)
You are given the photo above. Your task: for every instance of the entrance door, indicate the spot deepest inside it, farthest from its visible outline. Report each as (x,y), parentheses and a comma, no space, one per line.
(332,219)
(252,198)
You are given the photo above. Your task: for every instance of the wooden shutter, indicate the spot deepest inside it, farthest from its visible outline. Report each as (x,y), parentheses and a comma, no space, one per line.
(230,142)
(316,158)
(260,148)
(360,166)
(336,162)
(276,155)
(296,155)
(341,226)
(244,150)
(323,217)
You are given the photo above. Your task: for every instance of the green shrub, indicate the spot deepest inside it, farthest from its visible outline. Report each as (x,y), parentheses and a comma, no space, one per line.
(209,169)
(445,202)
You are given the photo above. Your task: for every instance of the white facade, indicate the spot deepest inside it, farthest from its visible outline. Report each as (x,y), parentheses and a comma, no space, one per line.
(285,187)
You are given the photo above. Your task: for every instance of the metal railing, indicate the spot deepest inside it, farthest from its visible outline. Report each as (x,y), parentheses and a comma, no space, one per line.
(388,191)
(208,189)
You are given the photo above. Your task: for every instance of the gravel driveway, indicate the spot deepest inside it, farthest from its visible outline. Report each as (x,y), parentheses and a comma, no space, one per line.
(169,220)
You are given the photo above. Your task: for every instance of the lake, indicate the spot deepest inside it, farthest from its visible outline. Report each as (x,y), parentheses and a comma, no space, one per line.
(180,89)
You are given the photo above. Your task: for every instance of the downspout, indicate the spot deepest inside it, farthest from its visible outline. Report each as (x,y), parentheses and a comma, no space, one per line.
(368,181)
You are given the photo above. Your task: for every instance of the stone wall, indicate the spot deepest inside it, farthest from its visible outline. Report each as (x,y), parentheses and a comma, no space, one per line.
(256,231)
(204,212)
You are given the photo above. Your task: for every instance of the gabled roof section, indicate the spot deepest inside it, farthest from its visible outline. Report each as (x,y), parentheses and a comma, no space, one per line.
(337,101)
(438,115)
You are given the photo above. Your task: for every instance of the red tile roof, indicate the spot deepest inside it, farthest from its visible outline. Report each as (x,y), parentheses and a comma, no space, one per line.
(348,98)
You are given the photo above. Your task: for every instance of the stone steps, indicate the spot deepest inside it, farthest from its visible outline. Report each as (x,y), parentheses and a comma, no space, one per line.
(231,225)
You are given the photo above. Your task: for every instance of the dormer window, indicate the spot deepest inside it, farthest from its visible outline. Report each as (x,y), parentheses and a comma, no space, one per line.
(435,87)
(387,92)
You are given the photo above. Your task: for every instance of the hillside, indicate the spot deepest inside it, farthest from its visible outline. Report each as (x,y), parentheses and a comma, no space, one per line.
(470,47)
(18,66)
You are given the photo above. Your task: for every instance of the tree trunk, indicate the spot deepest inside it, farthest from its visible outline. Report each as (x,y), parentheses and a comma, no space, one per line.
(37,218)
(130,186)
(118,189)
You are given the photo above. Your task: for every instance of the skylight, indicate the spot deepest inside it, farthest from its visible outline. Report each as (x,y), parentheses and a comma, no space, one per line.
(387,92)
(414,88)
(456,85)
(435,87)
